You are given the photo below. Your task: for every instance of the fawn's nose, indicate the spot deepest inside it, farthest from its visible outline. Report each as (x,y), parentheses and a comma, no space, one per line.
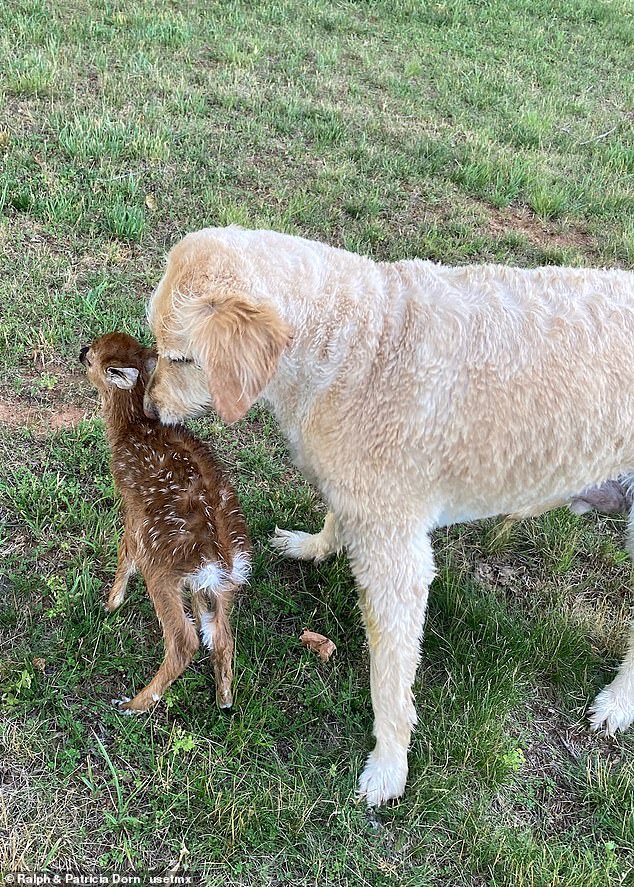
(83,353)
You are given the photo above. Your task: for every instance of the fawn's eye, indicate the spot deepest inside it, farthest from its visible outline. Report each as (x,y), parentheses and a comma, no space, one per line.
(181,360)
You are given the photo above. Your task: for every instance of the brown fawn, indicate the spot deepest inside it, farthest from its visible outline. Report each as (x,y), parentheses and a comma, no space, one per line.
(183,527)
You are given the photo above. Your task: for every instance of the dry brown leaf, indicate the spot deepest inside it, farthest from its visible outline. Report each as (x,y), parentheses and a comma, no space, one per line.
(150,201)
(319,644)
(39,663)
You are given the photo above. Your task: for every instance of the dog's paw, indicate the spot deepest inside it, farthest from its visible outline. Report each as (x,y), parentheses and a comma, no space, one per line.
(383,779)
(299,545)
(611,711)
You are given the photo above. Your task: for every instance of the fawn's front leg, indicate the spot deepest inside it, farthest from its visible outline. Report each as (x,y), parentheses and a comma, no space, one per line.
(126,568)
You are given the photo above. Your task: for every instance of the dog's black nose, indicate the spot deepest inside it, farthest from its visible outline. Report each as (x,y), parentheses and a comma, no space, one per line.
(83,353)
(149,409)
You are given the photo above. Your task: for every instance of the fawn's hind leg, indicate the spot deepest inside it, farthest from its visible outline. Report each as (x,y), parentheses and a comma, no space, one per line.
(179,634)
(126,568)
(211,611)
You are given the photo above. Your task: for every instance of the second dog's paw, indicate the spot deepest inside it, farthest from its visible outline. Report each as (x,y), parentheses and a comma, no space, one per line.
(611,711)
(123,705)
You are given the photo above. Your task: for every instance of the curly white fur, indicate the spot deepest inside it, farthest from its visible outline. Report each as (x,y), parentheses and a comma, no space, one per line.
(413,395)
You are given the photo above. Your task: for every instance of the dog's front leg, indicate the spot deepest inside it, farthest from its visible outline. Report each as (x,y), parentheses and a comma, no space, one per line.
(394,576)
(309,546)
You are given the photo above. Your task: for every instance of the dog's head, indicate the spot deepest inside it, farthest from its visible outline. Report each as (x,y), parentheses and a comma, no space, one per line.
(117,361)
(217,345)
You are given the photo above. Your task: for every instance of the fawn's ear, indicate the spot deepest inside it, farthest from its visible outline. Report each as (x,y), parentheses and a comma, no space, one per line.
(122,377)
(150,359)
(239,344)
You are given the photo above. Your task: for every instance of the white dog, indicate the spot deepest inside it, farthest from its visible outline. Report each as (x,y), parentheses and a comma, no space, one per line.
(413,395)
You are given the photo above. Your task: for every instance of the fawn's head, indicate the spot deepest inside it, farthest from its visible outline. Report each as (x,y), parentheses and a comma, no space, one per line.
(118,361)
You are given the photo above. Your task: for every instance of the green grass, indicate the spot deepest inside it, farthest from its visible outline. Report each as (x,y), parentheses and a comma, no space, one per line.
(459,131)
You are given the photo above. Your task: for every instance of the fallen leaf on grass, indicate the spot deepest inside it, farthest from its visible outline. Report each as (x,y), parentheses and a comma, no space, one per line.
(319,644)
(150,201)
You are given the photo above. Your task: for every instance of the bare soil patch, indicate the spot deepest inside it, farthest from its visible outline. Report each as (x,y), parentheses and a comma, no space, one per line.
(539,232)
(548,792)
(47,403)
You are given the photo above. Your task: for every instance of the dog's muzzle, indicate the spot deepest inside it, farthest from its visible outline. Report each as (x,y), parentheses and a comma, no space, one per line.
(149,408)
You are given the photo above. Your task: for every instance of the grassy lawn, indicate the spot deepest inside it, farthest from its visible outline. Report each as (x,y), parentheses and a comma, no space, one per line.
(463,131)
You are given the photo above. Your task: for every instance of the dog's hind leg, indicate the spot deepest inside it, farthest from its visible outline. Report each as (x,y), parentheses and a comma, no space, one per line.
(309,546)
(613,708)
(394,576)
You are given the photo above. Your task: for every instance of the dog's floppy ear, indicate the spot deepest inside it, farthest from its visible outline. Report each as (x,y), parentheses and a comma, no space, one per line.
(239,343)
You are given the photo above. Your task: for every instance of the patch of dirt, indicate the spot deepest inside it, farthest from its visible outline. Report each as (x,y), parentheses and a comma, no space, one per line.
(549,792)
(495,571)
(539,232)
(47,403)
(16,415)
